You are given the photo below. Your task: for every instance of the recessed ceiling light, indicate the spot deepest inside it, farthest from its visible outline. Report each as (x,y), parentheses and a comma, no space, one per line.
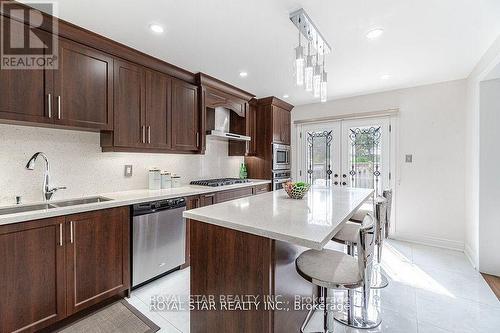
(243,74)
(285,96)
(374,33)
(156,28)
(385,77)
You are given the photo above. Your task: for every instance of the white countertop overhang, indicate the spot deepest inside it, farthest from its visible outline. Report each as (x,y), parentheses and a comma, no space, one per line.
(310,222)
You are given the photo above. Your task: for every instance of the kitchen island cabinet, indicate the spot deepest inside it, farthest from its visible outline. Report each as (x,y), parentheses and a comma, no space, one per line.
(249,246)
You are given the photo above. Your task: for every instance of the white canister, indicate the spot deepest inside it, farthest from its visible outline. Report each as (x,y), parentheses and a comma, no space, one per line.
(154,179)
(176,181)
(166,180)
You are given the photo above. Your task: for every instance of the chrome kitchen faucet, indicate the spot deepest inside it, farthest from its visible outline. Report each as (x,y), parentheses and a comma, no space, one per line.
(47,191)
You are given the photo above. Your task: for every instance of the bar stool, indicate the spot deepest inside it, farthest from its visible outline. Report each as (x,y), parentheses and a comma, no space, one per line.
(348,236)
(329,269)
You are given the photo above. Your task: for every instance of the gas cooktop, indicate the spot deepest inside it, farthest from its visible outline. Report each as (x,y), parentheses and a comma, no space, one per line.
(219,182)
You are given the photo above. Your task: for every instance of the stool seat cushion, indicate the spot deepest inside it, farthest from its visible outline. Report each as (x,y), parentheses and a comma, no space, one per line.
(348,234)
(360,214)
(329,269)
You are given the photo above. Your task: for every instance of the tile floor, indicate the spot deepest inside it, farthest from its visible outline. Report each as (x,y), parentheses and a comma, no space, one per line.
(431,290)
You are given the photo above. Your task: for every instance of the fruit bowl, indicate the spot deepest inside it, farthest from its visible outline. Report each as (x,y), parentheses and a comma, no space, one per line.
(296,190)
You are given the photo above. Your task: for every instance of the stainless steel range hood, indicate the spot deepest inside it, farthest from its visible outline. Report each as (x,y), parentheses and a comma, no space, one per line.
(221,126)
(229,136)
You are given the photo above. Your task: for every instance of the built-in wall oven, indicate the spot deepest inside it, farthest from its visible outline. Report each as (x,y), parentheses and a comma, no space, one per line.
(279,178)
(281,157)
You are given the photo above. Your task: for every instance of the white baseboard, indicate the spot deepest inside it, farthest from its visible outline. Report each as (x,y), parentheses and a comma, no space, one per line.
(430,241)
(469,253)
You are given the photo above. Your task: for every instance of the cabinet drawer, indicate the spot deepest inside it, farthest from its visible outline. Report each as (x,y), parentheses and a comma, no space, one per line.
(259,189)
(234,194)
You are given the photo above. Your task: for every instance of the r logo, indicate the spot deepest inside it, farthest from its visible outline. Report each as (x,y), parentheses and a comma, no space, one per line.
(28,38)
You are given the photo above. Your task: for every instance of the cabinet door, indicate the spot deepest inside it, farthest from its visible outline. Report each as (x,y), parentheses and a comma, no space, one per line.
(185,120)
(207,199)
(24,93)
(83,87)
(285,129)
(129,98)
(32,288)
(98,256)
(277,125)
(158,110)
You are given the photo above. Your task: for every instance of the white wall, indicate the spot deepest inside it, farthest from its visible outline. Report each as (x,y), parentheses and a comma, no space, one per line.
(489,178)
(77,162)
(483,68)
(430,191)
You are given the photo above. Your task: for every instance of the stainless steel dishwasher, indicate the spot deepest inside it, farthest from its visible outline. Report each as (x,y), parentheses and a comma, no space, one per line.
(158,238)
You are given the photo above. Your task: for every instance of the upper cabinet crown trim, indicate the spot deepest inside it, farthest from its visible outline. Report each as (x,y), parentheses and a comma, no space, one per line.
(209,81)
(275,101)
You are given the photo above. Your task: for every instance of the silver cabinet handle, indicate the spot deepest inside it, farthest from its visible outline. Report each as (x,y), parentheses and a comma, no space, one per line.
(197,139)
(143,134)
(49,104)
(59,107)
(149,134)
(71,232)
(60,234)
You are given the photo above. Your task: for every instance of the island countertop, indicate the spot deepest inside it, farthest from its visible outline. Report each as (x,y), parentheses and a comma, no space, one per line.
(310,222)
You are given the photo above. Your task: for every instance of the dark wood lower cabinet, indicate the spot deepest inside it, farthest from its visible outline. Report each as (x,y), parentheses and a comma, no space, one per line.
(234,194)
(56,267)
(32,275)
(97,255)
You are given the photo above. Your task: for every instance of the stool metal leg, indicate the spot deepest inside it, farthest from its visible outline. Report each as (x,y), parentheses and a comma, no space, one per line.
(348,317)
(379,280)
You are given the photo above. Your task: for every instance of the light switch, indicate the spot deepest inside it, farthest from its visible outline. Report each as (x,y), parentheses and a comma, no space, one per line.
(409,158)
(128,170)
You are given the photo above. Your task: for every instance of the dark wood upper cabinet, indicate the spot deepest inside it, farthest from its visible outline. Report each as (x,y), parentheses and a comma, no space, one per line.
(158,110)
(129,103)
(24,94)
(273,125)
(32,275)
(97,254)
(83,87)
(185,116)
(281,125)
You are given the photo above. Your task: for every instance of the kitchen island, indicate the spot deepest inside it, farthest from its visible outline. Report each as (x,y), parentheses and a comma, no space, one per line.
(243,255)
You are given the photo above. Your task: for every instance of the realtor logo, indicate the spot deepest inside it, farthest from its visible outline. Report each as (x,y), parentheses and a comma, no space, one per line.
(26,45)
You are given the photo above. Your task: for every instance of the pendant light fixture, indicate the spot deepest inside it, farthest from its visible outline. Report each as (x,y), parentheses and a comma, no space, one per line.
(324,84)
(309,69)
(299,63)
(317,78)
(310,74)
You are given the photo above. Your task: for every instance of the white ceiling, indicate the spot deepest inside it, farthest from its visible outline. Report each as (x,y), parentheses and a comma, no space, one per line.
(425,41)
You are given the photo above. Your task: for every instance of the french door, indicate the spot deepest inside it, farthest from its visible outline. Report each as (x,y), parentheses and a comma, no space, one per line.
(352,153)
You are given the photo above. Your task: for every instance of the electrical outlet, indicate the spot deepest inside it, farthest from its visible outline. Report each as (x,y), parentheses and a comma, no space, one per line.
(409,158)
(128,170)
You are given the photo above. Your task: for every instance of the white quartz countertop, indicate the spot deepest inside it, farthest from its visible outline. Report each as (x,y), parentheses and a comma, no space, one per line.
(118,199)
(310,222)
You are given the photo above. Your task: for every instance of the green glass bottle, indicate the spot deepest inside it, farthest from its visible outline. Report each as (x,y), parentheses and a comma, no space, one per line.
(243,171)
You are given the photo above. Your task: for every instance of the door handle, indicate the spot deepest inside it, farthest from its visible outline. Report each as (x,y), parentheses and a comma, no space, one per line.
(197,139)
(59,112)
(71,236)
(60,234)
(149,134)
(49,104)
(143,128)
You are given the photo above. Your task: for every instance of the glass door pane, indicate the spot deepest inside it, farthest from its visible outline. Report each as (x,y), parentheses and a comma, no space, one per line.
(321,153)
(365,153)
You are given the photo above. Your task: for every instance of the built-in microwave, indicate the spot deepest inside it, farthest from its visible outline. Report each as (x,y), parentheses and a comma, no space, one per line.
(281,157)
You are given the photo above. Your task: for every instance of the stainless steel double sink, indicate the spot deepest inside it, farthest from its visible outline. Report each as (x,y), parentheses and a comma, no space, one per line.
(59,204)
